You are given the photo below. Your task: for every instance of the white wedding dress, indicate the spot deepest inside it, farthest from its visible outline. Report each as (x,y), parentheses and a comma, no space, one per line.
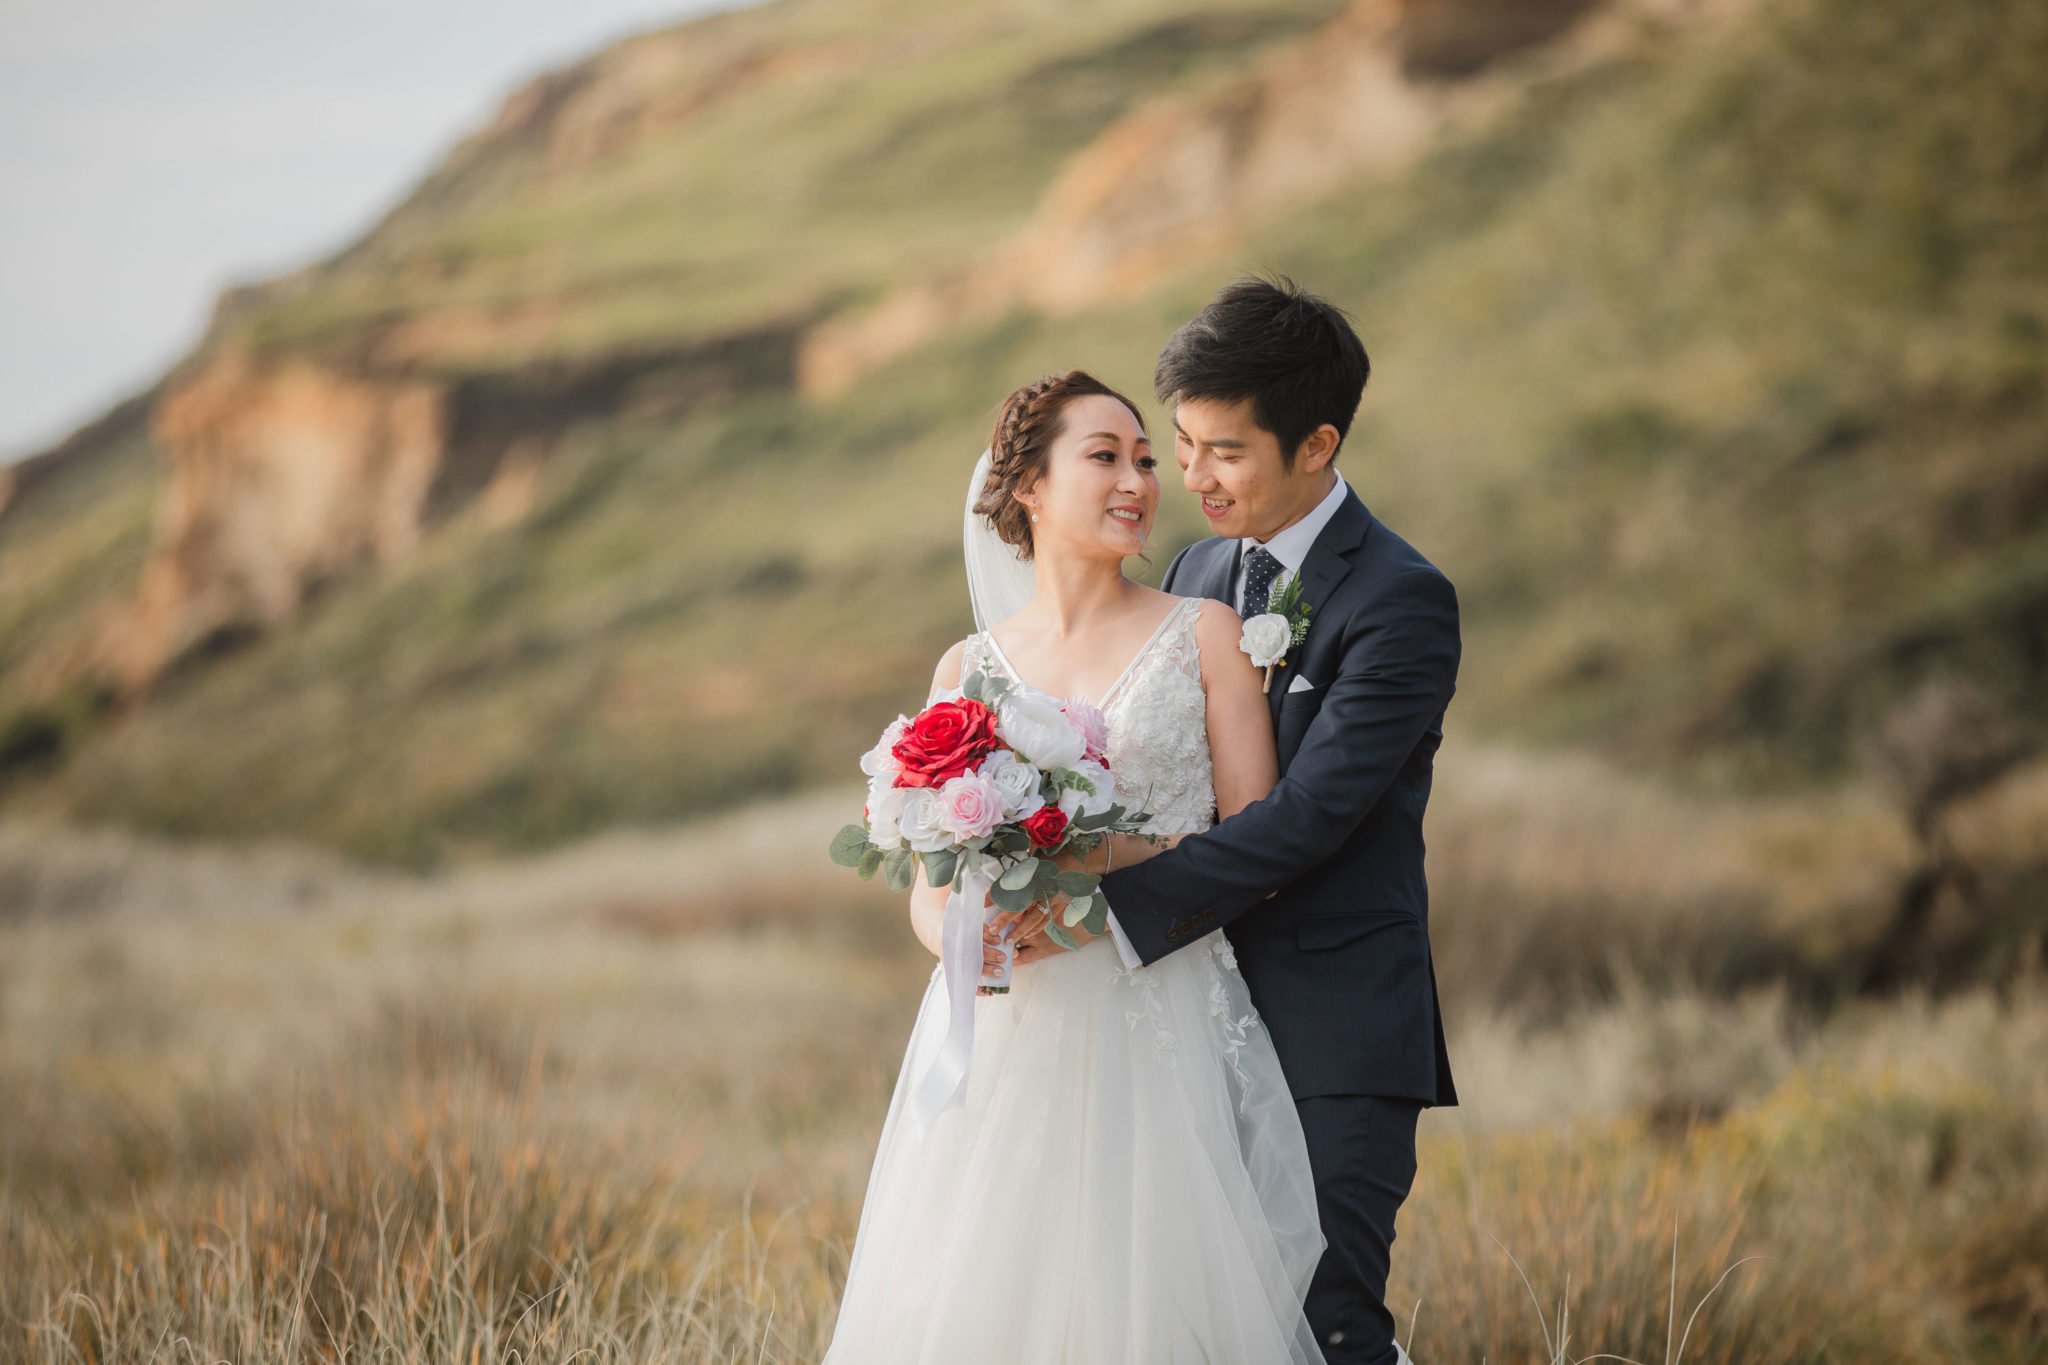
(1127,1181)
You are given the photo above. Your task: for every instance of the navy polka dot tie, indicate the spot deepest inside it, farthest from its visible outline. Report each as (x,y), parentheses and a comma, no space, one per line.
(1260,569)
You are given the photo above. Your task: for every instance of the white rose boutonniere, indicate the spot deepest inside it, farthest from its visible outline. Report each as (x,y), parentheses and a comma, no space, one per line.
(1266,639)
(1269,636)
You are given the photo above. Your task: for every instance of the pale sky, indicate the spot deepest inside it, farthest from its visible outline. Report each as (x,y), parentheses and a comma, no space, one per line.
(153,151)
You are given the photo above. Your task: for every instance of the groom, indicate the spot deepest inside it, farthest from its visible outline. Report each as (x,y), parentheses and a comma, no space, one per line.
(1319,887)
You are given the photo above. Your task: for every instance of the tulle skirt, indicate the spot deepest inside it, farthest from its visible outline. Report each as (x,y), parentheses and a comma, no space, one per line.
(1127,1181)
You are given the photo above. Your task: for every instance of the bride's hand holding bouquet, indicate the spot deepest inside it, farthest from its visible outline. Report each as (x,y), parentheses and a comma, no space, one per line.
(989,791)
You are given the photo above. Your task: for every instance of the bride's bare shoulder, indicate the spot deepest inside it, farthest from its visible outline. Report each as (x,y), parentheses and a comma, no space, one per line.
(1217,616)
(946,676)
(1218,631)
(1215,621)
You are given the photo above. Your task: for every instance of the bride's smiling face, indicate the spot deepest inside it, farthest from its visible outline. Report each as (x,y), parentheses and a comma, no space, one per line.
(1098,494)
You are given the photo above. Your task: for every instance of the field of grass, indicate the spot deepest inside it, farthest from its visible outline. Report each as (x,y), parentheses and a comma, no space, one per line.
(265,1104)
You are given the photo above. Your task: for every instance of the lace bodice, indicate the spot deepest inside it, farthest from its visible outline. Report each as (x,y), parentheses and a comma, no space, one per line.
(1158,723)
(1159,754)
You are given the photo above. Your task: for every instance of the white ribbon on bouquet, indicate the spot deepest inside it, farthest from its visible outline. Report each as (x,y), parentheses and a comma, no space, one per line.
(944,1083)
(1000,582)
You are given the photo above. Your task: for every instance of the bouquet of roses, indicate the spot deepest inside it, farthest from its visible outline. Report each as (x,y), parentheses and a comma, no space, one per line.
(989,784)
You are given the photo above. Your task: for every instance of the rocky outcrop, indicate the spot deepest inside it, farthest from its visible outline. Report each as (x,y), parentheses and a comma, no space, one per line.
(287,472)
(281,475)
(1180,179)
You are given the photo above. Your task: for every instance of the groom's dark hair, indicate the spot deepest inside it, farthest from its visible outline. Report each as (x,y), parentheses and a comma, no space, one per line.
(1291,353)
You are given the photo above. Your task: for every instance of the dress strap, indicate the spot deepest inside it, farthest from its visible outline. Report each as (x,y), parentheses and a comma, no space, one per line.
(1174,636)
(981,656)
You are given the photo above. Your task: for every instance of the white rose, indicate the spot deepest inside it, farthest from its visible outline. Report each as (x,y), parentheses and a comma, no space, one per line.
(921,821)
(1018,780)
(1266,638)
(1079,803)
(1035,725)
(885,814)
(879,762)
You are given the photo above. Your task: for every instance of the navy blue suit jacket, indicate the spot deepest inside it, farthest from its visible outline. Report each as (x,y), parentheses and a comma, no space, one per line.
(1338,960)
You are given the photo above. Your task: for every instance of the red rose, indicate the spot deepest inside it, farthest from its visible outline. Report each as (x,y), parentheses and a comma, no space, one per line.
(1046,825)
(944,742)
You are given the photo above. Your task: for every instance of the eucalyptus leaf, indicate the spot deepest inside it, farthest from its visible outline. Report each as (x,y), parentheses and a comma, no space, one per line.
(1047,882)
(849,844)
(870,861)
(1020,875)
(1076,911)
(1060,936)
(1012,900)
(1097,922)
(898,868)
(938,867)
(1078,883)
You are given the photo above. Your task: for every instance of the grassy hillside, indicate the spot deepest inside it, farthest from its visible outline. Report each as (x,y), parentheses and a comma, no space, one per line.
(1714,378)
(1725,383)
(753,168)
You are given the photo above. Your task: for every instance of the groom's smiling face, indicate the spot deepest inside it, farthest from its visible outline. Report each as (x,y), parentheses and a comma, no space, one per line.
(1234,465)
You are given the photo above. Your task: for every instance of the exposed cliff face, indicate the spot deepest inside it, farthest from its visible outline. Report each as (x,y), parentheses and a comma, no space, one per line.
(281,476)
(1180,179)
(285,473)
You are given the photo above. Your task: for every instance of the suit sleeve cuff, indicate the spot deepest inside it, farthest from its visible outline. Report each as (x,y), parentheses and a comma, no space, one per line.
(1124,949)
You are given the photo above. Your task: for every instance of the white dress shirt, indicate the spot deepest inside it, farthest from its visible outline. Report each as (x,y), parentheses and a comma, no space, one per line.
(1290,545)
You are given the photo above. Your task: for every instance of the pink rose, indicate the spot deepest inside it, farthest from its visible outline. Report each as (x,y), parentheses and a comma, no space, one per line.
(970,806)
(1094,727)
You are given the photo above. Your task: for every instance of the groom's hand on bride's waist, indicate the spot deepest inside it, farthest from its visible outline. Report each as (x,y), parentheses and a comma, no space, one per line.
(1015,927)
(1037,943)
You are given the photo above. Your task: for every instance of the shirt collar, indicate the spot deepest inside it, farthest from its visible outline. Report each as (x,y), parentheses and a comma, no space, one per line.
(1291,546)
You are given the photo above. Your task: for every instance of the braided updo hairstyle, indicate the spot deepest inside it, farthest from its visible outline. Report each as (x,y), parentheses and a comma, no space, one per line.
(1030,421)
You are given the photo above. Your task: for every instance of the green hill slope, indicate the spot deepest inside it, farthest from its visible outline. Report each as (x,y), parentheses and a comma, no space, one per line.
(1713,378)
(750,169)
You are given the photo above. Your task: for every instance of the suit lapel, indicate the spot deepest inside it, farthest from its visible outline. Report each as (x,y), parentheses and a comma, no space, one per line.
(1328,564)
(1219,571)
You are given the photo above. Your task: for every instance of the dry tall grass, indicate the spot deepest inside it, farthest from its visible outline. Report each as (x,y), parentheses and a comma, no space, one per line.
(621,1102)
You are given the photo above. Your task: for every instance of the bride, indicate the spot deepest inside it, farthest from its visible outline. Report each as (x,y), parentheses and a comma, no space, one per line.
(1127,1180)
